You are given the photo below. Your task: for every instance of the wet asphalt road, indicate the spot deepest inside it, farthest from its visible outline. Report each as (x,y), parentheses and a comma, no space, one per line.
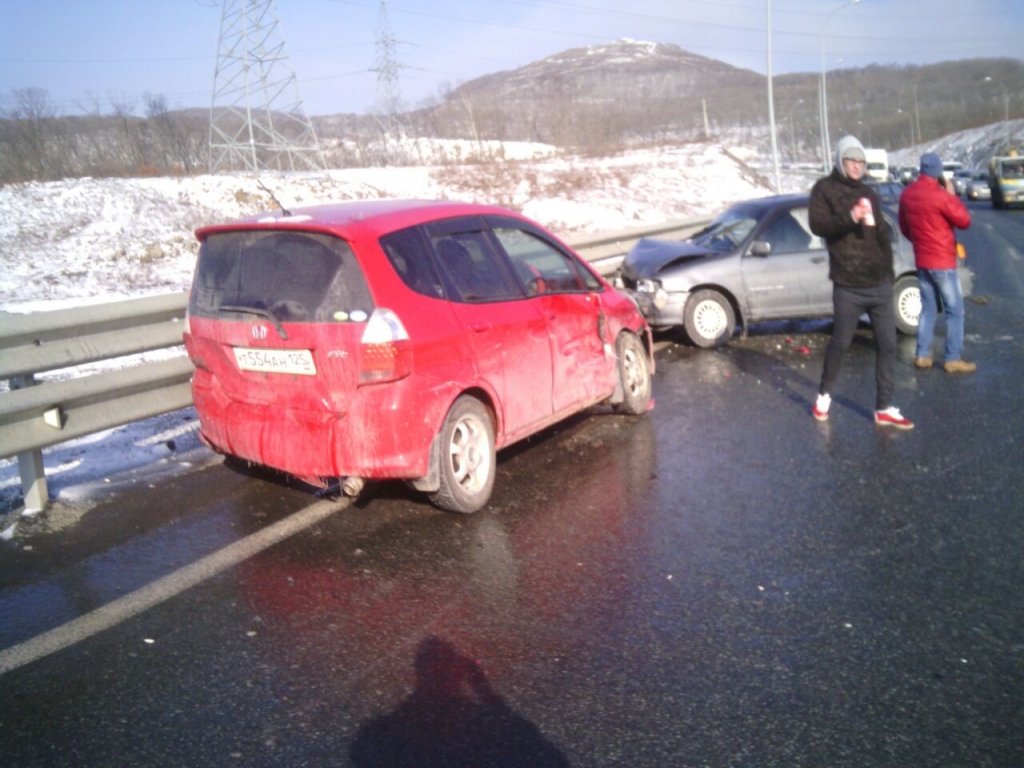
(724,582)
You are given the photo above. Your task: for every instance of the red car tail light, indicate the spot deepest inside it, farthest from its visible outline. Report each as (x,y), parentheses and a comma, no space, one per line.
(385,352)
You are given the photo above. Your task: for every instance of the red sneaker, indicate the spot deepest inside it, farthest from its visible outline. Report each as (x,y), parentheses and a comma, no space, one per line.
(891,417)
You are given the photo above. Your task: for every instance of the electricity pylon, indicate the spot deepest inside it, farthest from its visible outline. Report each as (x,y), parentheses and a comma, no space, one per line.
(256,118)
(389,99)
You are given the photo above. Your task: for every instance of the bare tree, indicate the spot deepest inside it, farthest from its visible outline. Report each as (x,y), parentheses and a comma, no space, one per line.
(27,135)
(131,140)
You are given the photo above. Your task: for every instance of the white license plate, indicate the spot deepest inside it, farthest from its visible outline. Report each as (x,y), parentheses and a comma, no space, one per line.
(294,361)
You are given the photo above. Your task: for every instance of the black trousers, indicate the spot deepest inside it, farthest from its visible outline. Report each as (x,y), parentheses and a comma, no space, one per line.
(849,304)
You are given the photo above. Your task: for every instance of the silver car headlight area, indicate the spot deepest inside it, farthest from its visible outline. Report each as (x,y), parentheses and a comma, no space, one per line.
(653,289)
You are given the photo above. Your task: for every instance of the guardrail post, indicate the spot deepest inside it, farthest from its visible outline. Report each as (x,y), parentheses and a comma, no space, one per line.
(30,463)
(33,480)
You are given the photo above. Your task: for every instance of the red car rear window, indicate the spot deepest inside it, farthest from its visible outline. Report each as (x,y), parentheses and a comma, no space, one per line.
(298,276)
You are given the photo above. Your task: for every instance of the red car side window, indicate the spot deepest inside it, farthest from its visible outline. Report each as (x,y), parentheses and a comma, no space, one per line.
(473,268)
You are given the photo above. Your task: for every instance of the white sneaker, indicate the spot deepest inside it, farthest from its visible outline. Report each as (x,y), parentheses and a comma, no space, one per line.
(821,406)
(891,417)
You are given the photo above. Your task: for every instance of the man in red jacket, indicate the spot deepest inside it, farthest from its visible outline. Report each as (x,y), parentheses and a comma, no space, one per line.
(929,210)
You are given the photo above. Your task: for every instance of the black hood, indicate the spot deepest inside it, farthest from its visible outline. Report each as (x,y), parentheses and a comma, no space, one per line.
(649,257)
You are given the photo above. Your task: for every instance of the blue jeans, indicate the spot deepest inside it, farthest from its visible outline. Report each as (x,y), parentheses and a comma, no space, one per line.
(944,283)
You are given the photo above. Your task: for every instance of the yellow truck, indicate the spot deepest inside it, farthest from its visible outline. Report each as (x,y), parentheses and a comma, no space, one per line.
(1006,180)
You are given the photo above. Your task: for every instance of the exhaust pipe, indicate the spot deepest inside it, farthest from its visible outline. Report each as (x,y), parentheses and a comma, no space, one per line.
(352,486)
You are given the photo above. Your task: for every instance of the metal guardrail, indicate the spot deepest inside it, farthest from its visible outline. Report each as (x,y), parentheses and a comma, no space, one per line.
(35,415)
(607,251)
(38,414)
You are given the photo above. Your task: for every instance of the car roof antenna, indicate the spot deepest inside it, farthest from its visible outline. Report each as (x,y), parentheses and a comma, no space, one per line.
(284,210)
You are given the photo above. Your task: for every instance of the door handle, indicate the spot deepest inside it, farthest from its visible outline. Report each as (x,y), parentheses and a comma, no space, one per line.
(817,259)
(479,327)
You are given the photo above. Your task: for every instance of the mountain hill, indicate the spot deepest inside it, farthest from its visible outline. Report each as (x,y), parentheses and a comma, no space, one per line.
(629,92)
(592,99)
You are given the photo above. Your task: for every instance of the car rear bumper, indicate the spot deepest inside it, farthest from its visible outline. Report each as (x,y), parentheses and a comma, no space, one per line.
(382,436)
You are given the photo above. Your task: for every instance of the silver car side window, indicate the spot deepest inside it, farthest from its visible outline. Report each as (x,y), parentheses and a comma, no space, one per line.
(803,218)
(789,232)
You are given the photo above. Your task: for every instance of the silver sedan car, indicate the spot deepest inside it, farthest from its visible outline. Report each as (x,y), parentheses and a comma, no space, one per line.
(757,261)
(978,188)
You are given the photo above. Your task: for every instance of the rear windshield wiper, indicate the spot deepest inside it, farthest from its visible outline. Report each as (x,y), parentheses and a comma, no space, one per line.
(256,311)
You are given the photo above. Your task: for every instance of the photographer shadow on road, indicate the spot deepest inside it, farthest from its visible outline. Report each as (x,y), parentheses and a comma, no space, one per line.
(453,718)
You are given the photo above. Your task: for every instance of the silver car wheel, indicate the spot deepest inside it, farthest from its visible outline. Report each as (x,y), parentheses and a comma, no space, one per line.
(709,319)
(908,305)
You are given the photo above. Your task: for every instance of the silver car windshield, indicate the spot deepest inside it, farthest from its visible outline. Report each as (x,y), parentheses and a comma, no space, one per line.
(728,231)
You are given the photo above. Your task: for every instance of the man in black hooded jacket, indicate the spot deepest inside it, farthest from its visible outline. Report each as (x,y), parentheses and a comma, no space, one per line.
(844,211)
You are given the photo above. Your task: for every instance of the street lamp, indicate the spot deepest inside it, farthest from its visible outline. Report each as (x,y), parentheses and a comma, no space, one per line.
(861,122)
(900,111)
(792,133)
(1006,97)
(771,103)
(826,147)
(1006,108)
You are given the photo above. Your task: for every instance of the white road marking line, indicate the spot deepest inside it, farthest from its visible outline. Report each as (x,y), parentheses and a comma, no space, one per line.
(162,589)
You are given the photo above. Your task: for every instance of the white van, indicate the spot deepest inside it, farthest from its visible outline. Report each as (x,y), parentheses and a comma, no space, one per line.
(877,164)
(949,168)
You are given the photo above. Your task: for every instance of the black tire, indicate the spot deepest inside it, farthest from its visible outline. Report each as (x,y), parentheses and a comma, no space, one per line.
(467,457)
(906,299)
(634,375)
(709,319)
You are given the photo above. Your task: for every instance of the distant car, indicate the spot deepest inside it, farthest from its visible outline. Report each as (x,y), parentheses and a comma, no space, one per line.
(950,167)
(888,191)
(757,261)
(978,188)
(877,167)
(961,176)
(908,174)
(408,340)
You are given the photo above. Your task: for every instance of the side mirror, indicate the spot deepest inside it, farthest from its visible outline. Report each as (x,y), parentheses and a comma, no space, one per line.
(760,248)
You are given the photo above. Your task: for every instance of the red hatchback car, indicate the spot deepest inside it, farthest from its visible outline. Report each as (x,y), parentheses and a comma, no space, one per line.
(402,339)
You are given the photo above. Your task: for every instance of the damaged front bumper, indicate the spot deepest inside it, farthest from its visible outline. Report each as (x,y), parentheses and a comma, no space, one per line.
(661,309)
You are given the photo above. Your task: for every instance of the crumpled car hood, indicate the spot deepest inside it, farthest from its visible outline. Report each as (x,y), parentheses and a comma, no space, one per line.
(649,256)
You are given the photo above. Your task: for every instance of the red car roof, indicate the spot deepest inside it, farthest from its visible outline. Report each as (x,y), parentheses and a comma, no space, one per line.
(356,218)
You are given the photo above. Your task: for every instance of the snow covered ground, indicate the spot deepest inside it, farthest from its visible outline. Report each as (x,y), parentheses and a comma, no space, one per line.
(96,240)
(114,238)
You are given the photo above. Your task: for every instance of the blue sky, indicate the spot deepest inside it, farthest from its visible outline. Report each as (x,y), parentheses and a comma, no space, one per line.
(89,54)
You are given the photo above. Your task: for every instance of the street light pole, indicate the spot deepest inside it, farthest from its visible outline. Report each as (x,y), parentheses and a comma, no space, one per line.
(900,111)
(792,132)
(826,147)
(1006,96)
(1006,108)
(771,106)
(861,122)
